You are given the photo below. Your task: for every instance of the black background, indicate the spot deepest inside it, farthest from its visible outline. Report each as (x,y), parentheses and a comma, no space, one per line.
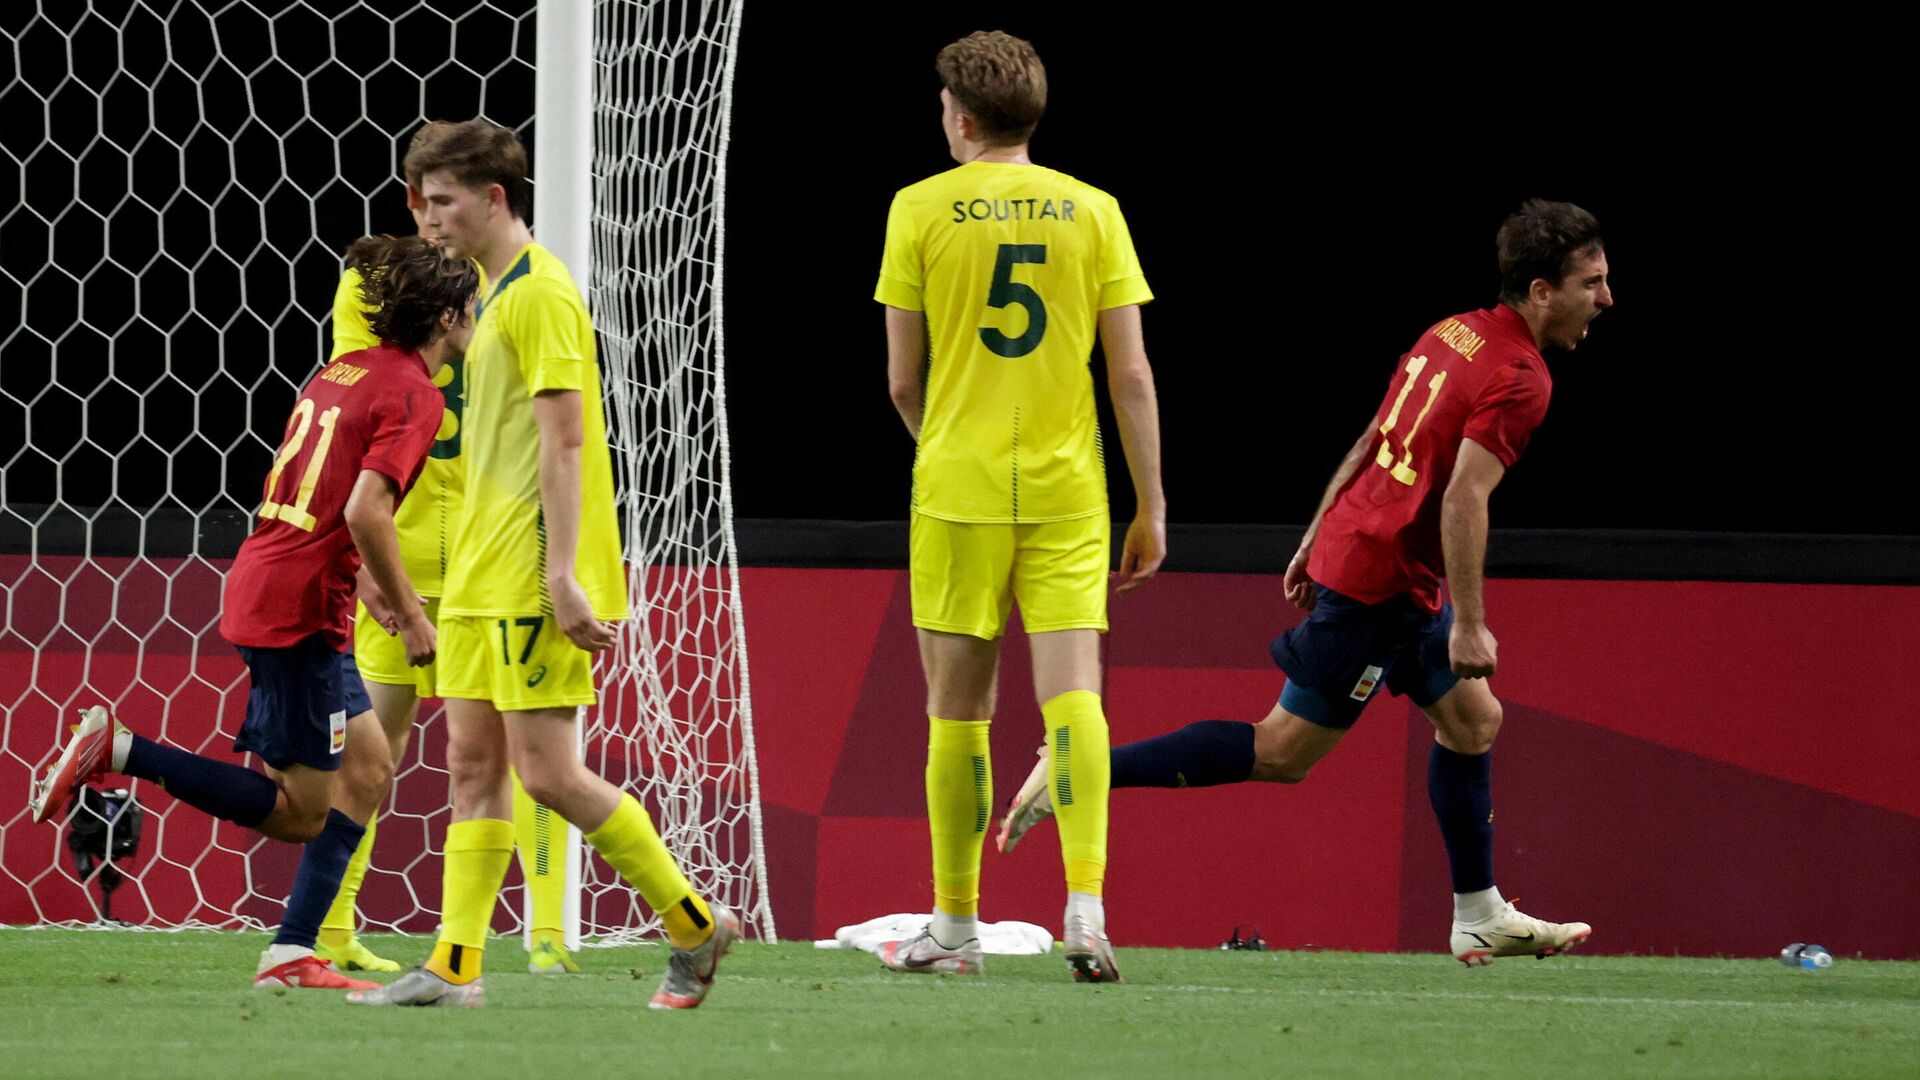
(1306,198)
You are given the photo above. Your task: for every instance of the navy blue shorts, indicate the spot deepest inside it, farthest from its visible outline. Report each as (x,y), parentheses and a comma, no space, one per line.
(298,707)
(1346,650)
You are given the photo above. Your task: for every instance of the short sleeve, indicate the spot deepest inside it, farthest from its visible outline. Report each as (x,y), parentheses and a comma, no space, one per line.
(1121,280)
(902,274)
(547,324)
(1510,407)
(405,425)
(351,331)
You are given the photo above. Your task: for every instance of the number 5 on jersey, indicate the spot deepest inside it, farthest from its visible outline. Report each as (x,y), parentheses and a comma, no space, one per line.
(295,514)
(1005,291)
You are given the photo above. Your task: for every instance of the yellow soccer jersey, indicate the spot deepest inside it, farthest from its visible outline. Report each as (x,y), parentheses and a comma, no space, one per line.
(533,334)
(424,518)
(1012,265)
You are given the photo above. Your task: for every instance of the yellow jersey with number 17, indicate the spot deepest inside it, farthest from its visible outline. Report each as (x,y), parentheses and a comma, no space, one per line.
(532,334)
(1012,265)
(424,519)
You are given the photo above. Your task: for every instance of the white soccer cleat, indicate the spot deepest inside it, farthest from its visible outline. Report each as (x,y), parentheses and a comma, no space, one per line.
(1089,953)
(1031,805)
(690,971)
(88,755)
(1511,932)
(422,987)
(923,955)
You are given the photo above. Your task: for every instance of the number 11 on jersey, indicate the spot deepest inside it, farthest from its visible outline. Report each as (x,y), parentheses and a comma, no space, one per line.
(1404,471)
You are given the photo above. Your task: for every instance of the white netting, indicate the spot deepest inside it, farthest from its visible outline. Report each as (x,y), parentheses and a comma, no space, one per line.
(663,82)
(178,180)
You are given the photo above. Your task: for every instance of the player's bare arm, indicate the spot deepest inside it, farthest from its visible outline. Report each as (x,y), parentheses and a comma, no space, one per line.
(1136,409)
(367,591)
(906,365)
(369,516)
(1463,537)
(558,415)
(1299,587)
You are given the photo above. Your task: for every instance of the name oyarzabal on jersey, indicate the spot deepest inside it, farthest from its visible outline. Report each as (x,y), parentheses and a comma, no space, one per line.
(377,410)
(1011,264)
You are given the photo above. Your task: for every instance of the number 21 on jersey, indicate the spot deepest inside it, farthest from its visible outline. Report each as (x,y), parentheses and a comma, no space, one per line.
(1403,470)
(295,513)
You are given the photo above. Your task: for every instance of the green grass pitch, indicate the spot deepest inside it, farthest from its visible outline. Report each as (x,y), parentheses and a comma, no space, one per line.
(144,1006)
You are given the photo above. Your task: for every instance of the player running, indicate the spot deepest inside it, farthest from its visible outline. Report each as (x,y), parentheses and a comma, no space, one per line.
(1408,502)
(354,445)
(996,277)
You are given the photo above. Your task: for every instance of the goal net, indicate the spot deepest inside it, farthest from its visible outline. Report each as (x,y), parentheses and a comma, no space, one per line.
(177,181)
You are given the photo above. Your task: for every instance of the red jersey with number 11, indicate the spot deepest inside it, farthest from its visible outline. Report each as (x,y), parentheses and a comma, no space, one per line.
(373,409)
(1475,376)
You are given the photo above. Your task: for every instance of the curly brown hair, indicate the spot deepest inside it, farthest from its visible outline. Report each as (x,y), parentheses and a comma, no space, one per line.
(477,153)
(1542,239)
(410,283)
(998,80)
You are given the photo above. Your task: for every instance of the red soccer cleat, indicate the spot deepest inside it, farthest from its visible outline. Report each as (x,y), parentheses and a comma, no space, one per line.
(309,973)
(88,755)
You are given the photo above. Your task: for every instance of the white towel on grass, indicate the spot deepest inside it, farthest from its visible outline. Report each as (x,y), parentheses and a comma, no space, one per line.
(1000,938)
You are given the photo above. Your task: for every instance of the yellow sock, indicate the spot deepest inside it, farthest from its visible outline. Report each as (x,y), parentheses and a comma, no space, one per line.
(1081,768)
(959,804)
(337,928)
(540,839)
(630,845)
(476,861)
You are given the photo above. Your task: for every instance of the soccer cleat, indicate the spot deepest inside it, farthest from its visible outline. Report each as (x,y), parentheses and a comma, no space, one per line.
(1031,805)
(550,956)
(1089,953)
(921,953)
(690,971)
(353,956)
(306,973)
(1511,932)
(422,987)
(89,755)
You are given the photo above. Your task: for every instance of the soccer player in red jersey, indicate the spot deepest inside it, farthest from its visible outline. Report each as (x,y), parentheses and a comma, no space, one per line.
(356,441)
(1409,502)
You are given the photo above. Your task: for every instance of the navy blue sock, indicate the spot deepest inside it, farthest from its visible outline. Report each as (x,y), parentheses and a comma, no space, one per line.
(1461,790)
(322,865)
(225,790)
(1201,754)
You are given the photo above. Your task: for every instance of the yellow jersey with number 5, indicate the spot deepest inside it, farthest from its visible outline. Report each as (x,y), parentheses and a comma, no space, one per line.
(531,335)
(424,519)
(1012,265)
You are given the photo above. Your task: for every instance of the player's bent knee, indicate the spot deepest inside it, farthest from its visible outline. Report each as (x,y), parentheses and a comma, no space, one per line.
(296,827)
(1281,772)
(554,784)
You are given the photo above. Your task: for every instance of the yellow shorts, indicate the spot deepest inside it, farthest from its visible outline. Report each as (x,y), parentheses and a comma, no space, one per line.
(382,657)
(966,576)
(519,664)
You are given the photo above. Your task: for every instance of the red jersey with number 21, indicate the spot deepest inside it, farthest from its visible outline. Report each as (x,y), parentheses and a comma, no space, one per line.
(373,409)
(1475,376)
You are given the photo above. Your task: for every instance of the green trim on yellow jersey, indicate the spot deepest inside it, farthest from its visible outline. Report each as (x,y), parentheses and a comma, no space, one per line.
(532,335)
(423,517)
(1012,265)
